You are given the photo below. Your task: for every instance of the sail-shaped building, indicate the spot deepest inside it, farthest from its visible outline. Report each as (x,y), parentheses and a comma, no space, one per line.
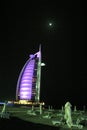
(28,85)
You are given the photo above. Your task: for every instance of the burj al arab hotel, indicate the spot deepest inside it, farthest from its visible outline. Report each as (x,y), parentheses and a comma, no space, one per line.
(28,84)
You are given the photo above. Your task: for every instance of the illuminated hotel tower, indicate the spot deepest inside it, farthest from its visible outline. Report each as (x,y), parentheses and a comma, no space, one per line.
(28,85)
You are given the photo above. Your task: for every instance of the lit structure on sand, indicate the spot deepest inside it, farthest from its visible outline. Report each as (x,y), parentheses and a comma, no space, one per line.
(28,85)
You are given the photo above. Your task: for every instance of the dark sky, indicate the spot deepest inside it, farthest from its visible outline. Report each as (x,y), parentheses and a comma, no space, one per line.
(23,26)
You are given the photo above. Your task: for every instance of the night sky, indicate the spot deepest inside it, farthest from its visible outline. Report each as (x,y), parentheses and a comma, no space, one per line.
(23,27)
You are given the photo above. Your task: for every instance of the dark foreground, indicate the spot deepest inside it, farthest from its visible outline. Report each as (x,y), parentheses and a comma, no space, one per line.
(16,123)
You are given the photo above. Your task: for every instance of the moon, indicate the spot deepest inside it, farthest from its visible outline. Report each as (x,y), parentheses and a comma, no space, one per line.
(50,24)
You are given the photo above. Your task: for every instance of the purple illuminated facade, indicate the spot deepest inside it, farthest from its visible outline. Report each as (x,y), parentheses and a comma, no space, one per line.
(28,85)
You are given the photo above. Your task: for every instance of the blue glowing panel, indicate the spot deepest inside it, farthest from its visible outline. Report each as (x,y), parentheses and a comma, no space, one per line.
(25,91)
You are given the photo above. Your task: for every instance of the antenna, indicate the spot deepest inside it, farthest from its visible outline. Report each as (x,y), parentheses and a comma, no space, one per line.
(40,47)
